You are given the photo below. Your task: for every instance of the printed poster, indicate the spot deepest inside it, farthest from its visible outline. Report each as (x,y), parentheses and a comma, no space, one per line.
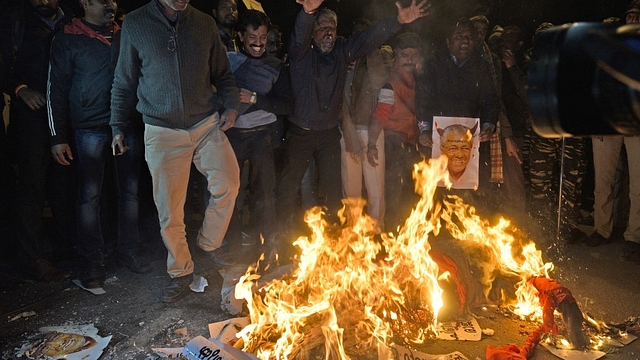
(458,139)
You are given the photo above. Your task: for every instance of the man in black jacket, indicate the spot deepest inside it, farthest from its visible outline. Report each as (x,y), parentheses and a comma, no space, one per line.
(456,82)
(25,48)
(265,93)
(319,61)
(80,81)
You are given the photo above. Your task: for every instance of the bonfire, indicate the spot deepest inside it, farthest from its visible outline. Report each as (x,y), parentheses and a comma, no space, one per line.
(351,293)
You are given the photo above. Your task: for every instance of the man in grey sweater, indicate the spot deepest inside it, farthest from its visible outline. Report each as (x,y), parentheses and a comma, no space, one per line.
(170,56)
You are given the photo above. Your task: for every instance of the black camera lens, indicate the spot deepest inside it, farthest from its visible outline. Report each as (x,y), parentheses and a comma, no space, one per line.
(583,80)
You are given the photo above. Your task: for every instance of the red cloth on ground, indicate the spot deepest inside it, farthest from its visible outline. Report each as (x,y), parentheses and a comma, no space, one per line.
(551,293)
(446,264)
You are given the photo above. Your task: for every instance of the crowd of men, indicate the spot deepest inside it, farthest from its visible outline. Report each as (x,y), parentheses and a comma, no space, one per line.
(220,111)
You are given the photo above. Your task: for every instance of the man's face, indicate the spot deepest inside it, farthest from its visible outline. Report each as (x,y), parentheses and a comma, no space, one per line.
(633,18)
(227,13)
(457,145)
(324,33)
(406,59)
(274,42)
(175,5)
(255,41)
(460,43)
(481,31)
(45,8)
(99,12)
(509,41)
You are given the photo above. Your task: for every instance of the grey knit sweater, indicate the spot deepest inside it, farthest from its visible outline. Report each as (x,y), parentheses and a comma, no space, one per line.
(171,70)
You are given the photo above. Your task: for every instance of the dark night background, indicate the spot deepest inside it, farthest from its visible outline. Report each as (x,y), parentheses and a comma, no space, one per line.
(527,14)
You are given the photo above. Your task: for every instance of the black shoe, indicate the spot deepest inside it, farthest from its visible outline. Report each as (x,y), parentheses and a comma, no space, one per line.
(177,288)
(595,239)
(575,236)
(44,271)
(133,263)
(631,251)
(220,258)
(93,275)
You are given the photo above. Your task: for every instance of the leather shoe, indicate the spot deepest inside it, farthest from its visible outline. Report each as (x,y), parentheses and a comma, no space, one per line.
(44,271)
(220,258)
(93,275)
(176,288)
(133,263)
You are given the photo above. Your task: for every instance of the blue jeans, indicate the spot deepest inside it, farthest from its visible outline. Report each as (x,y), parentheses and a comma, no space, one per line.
(93,151)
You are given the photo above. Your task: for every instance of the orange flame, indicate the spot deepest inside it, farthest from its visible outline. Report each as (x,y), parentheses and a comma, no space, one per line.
(343,296)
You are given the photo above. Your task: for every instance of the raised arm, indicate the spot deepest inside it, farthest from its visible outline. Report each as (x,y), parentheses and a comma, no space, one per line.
(412,12)
(310,6)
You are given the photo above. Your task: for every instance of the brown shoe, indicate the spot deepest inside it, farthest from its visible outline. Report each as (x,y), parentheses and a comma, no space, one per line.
(44,271)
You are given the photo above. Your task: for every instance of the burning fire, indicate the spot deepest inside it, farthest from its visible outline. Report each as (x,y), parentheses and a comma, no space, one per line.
(344,298)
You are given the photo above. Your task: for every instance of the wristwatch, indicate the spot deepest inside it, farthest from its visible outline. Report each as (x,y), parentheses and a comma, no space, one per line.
(253,98)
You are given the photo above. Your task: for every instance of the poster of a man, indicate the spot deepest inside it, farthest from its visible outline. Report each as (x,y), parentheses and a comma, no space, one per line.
(456,138)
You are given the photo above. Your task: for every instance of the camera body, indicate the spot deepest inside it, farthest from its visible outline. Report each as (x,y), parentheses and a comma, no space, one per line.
(584,79)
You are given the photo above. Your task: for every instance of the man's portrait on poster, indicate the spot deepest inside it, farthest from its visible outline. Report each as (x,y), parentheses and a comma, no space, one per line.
(457,139)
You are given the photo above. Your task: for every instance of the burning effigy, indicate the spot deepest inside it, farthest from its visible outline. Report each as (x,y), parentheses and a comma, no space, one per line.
(352,294)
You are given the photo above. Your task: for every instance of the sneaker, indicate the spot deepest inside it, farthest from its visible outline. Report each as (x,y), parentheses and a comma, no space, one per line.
(177,288)
(220,257)
(44,271)
(133,263)
(93,275)
(631,251)
(595,239)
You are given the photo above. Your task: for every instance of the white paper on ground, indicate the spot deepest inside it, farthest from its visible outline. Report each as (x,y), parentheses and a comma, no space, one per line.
(230,277)
(574,354)
(94,291)
(466,329)
(225,331)
(165,352)
(198,284)
(200,348)
(92,353)
(627,339)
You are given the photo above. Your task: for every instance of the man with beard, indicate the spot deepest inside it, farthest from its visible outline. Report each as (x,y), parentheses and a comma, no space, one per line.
(80,79)
(171,58)
(226,14)
(265,92)
(25,49)
(319,61)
